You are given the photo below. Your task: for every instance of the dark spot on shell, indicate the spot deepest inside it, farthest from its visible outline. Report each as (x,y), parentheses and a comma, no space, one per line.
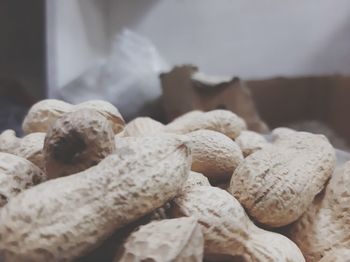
(69,148)
(36,179)
(3,200)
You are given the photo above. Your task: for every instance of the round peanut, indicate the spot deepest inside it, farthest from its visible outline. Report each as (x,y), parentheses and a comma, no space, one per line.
(77,141)
(283,177)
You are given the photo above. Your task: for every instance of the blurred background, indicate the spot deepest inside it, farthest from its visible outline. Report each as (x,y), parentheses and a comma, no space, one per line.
(273,62)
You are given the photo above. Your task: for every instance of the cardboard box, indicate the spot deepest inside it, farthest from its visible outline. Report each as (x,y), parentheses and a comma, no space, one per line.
(278,101)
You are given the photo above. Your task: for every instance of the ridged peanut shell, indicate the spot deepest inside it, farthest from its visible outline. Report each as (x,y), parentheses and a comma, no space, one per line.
(326,223)
(222,121)
(143,126)
(16,175)
(107,110)
(213,154)
(42,115)
(66,217)
(227,230)
(76,141)
(278,183)
(170,240)
(195,179)
(337,255)
(250,142)
(29,147)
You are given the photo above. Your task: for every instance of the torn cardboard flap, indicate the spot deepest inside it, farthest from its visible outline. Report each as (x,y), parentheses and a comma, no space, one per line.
(186,89)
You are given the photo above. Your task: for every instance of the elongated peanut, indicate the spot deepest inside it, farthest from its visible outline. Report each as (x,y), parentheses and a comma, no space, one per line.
(326,223)
(42,114)
(77,141)
(17,174)
(284,177)
(29,147)
(143,126)
(228,232)
(222,121)
(66,217)
(213,154)
(170,240)
(250,142)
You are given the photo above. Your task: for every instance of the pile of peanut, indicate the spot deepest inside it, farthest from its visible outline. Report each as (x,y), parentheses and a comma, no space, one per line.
(199,188)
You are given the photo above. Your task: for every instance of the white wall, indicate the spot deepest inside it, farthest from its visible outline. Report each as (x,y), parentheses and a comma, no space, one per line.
(77,37)
(251,39)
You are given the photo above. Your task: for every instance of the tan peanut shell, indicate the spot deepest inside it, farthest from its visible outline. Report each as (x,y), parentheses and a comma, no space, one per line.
(278,183)
(250,142)
(143,126)
(213,154)
(77,141)
(170,240)
(186,118)
(66,217)
(337,255)
(195,179)
(17,174)
(29,147)
(41,115)
(326,223)
(222,121)
(227,230)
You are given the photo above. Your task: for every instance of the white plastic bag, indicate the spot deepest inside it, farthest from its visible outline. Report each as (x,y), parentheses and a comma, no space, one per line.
(129,77)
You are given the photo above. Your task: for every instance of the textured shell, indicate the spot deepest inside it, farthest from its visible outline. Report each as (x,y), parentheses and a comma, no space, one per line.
(143,126)
(106,109)
(43,114)
(8,141)
(250,142)
(76,141)
(195,179)
(170,240)
(284,177)
(66,217)
(186,118)
(227,229)
(326,224)
(213,154)
(222,121)
(337,255)
(16,175)
(29,147)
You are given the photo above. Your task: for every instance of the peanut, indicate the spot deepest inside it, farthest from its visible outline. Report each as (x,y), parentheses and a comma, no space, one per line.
(213,154)
(227,230)
(42,114)
(326,224)
(222,121)
(29,147)
(284,177)
(250,142)
(142,126)
(66,217)
(337,255)
(77,141)
(195,179)
(16,174)
(178,239)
